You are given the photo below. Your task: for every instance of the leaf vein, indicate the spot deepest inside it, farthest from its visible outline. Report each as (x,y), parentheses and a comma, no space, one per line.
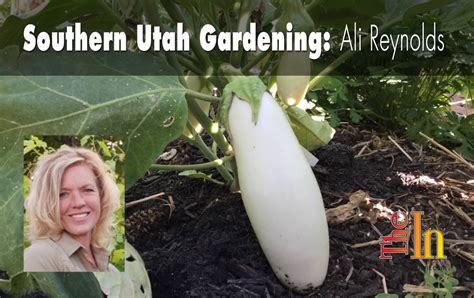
(144,118)
(83,102)
(124,73)
(10,121)
(83,122)
(11,155)
(94,107)
(9,199)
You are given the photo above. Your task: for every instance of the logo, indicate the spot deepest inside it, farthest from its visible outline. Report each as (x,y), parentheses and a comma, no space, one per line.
(398,240)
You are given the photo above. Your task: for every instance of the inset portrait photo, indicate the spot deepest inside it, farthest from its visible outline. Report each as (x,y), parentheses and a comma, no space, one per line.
(74,212)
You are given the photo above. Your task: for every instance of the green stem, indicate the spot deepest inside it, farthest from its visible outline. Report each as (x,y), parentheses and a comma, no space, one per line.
(203,96)
(216,81)
(195,45)
(151,13)
(228,20)
(201,166)
(171,57)
(211,18)
(348,54)
(467,81)
(188,57)
(254,61)
(119,20)
(312,5)
(244,16)
(150,10)
(206,123)
(220,161)
(197,141)
(190,66)
(209,126)
(267,64)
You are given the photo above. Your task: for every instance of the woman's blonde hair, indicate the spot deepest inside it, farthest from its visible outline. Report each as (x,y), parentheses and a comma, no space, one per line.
(42,204)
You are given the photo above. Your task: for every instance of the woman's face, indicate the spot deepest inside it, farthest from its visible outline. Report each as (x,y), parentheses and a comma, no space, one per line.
(79,201)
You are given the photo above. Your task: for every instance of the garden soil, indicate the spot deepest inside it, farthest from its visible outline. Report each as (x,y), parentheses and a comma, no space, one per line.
(196,239)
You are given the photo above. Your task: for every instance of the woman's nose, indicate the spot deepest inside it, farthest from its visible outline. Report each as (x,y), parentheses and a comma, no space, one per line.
(77,200)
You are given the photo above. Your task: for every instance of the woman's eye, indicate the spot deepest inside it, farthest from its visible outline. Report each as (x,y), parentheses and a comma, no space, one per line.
(89,190)
(63,195)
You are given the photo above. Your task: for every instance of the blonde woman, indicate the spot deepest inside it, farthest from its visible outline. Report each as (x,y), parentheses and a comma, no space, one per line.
(70,211)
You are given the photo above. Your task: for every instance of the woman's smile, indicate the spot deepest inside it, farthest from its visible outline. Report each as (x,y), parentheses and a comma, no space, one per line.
(80,216)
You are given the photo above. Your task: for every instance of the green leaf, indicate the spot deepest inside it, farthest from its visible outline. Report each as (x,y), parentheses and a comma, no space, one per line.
(426,6)
(64,284)
(126,6)
(397,10)
(355,117)
(26,185)
(200,175)
(29,145)
(146,113)
(12,62)
(340,13)
(269,12)
(311,134)
(329,83)
(430,280)
(117,258)
(383,295)
(5,286)
(133,282)
(334,119)
(11,201)
(105,149)
(92,14)
(249,89)
(84,140)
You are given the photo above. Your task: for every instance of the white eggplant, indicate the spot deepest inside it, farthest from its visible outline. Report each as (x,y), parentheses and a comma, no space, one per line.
(294,70)
(280,194)
(293,77)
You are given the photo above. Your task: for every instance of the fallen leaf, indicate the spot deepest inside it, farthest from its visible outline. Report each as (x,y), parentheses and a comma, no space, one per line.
(347,211)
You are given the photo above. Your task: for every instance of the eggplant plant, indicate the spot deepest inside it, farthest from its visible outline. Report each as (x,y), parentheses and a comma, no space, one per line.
(259,136)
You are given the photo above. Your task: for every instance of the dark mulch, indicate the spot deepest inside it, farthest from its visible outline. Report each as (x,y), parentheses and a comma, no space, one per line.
(206,246)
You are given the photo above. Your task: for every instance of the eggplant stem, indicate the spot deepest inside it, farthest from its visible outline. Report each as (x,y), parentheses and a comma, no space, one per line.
(215,162)
(202,96)
(200,166)
(255,61)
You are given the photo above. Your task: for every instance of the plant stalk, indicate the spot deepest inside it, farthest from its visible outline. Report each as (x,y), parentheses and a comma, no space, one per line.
(119,20)
(203,96)
(189,57)
(209,126)
(190,66)
(312,5)
(197,141)
(267,64)
(244,17)
(151,12)
(255,61)
(201,166)
(195,45)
